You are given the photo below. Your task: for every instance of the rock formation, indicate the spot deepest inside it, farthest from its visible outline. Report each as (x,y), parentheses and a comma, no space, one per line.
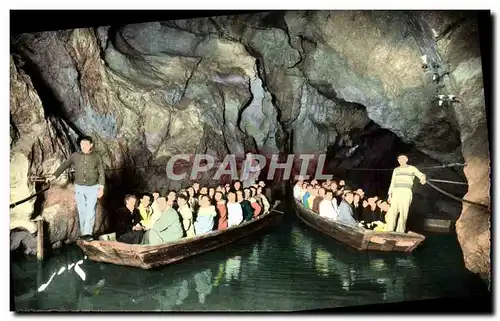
(349,84)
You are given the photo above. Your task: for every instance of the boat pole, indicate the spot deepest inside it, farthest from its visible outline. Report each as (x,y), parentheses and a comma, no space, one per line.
(39,238)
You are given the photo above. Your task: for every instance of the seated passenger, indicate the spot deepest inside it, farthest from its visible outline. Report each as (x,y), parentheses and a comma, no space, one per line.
(345,210)
(196,188)
(383,209)
(307,194)
(204,190)
(326,208)
(310,200)
(145,210)
(246,206)
(128,227)
(172,199)
(192,199)
(257,209)
(356,207)
(234,210)
(265,202)
(187,215)
(211,193)
(167,228)
(206,216)
(370,212)
(318,199)
(221,210)
(361,193)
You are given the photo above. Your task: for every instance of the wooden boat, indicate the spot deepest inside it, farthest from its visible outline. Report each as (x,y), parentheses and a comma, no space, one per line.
(152,256)
(358,237)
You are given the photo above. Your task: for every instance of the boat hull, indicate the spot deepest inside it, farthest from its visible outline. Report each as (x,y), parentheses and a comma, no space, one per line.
(153,256)
(358,237)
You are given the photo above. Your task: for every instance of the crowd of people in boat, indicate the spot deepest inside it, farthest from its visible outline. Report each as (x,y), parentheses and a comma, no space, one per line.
(196,210)
(340,203)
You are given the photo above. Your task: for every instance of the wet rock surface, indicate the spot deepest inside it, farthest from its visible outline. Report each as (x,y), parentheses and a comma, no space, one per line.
(349,84)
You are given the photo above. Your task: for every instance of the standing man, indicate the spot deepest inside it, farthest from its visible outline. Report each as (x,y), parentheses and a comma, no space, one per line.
(89,183)
(400,193)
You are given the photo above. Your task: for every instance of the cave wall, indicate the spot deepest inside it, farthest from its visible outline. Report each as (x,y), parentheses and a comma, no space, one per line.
(298,81)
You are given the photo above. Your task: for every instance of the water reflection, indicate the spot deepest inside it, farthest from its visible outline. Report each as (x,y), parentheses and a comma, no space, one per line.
(356,272)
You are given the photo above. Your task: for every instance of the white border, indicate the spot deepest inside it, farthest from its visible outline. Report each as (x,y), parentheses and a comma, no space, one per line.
(210,5)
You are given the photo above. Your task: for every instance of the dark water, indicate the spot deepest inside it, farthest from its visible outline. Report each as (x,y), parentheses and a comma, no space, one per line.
(286,268)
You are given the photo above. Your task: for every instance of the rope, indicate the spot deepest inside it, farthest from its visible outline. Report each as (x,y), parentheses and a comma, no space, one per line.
(29,197)
(457,198)
(445,181)
(391,169)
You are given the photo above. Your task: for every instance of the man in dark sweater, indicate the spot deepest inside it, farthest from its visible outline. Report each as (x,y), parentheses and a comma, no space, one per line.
(128,228)
(89,183)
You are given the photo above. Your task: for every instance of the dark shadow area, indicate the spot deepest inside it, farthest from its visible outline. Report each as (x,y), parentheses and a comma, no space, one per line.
(126,180)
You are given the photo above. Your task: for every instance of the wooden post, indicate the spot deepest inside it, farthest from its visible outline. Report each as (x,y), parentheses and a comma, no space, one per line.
(39,238)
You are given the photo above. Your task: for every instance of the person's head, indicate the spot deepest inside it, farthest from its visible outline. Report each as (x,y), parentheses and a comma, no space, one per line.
(156,194)
(310,188)
(239,195)
(356,198)
(219,188)
(145,199)
(231,196)
(190,191)
(375,198)
(300,182)
(262,184)
(384,206)
(329,195)
(237,185)
(314,182)
(253,191)
(204,200)
(365,203)
(171,196)
(322,192)
(314,192)
(259,190)
(204,190)
(181,200)
(218,196)
(349,197)
(360,192)
(379,203)
(211,192)
(183,192)
(334,186)
(402,159)
(130,201)
(227,188)
(196,187)
(162,203)
(371,201)
(86,144)
(342,182)
(304,185)
(328,181)
(246,192)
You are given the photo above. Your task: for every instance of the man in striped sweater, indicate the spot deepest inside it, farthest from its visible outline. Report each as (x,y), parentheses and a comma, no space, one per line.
(400,193)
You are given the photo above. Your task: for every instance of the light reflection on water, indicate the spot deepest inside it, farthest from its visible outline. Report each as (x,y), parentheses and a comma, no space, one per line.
(287,268)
